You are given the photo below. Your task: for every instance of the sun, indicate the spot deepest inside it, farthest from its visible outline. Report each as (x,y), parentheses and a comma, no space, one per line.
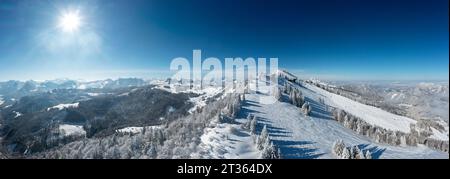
(70,21)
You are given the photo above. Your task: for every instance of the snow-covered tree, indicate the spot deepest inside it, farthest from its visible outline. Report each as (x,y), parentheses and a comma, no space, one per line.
(136,143)
(253,125)
(292,97)
(286,88)
(309,110)
(276,92)
(368,155)
(151,152)
(266,151)
(250,124)
(340,150)
(296,97)
(346,153)
(269,151)
(360,127)
(279,153)
(262,138)
(306,108)
(159,136)
(338,147)
(356,153)
(247,123)
(111,153)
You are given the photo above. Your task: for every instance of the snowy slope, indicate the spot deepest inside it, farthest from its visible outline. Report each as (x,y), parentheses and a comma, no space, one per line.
(307,137)
(226,141)
(64,106)
(135,130)
(72,130)
(205,95)
(370,114)
(300,136)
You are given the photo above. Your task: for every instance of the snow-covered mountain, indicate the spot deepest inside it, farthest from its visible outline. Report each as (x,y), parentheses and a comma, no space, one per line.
(312,136)
(27,87)
(417,100)
(307,119)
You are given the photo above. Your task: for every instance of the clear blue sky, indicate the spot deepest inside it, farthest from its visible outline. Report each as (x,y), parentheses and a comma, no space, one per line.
(329,39)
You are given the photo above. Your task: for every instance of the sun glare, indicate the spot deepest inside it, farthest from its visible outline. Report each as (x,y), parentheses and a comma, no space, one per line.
(70,21)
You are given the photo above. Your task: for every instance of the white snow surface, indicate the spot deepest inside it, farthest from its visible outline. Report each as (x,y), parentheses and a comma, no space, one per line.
(439,135)
(17,114)
(94,94)
(372,115)
(64,106)
(135,130)
(226,141)
(205,93)
(72,130)
(309,137)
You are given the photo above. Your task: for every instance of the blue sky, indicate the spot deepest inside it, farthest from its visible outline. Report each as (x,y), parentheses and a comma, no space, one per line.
(328,39)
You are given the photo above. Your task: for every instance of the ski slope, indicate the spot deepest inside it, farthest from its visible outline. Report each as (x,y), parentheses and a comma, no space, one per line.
(372,115)
(309,137)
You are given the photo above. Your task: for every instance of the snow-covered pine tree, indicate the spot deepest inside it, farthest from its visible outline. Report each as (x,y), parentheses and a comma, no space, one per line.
(159,137)
(309,109)
(266,148)
(276,93)
(352,152)
(262,138)
(368,155)
(338,147)
(346,153)
(270,150)
(233,111)
(360,155)
(249,117)
(274,151)
(279,153)
(286,87)
(151,152)
(253,125)
(246,124)
(306,109)
(292,97)
(116,152)
(356,153)
(301,99)
(136,143)
(359,127)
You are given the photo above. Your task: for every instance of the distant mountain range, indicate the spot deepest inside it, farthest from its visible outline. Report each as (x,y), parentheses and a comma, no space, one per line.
(135,118)
(419,100)
(22,88)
